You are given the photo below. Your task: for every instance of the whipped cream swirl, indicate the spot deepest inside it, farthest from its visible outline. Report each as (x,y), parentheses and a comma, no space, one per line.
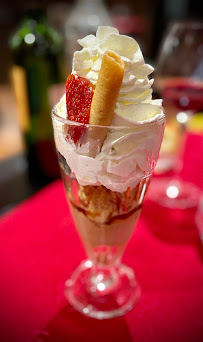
(136,87)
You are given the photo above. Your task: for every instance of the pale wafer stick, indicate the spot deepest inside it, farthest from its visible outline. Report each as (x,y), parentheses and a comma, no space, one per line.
(104,99)
(107,89)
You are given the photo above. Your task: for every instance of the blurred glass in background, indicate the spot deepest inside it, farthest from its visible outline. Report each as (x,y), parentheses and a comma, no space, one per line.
(179,81)
(199,219)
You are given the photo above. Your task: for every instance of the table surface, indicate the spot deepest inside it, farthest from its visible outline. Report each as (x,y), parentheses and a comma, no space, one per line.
(39,249)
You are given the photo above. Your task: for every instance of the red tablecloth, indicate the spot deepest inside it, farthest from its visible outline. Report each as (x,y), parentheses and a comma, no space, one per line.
(39,249)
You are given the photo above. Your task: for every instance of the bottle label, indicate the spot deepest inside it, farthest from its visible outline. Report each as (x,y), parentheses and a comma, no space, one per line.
(18,77)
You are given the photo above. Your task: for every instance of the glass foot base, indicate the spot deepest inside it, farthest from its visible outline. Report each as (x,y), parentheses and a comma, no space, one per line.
(174,194)
(102,292)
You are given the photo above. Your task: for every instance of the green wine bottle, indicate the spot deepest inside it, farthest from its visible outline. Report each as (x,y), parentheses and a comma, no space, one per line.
(37,79)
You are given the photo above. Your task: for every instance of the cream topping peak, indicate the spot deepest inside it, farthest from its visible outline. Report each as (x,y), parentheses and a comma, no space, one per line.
(136,87)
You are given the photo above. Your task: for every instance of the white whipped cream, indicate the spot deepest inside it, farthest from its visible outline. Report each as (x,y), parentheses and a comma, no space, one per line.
(136,87)
(125,157)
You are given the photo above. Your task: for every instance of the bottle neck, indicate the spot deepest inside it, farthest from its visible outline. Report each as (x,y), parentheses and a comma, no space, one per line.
(89,2)
(35,14)
(35,9)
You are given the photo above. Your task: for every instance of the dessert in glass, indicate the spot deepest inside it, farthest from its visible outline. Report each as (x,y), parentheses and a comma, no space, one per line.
(108,133)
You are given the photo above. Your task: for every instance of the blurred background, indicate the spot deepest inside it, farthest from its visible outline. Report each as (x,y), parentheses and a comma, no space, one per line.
(38,39)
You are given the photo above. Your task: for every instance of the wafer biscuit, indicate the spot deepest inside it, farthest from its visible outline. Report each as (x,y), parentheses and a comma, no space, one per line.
(104,100)
(107,89)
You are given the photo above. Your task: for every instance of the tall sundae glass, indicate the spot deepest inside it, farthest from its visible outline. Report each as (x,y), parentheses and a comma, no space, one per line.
(107,155)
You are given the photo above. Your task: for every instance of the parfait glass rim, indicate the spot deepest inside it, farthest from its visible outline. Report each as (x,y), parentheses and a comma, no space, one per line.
(150,122)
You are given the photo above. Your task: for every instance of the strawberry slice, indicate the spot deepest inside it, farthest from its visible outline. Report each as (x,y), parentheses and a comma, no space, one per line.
(79,94)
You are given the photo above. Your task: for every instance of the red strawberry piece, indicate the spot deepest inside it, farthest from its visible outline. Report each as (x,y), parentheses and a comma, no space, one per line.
(79,94)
